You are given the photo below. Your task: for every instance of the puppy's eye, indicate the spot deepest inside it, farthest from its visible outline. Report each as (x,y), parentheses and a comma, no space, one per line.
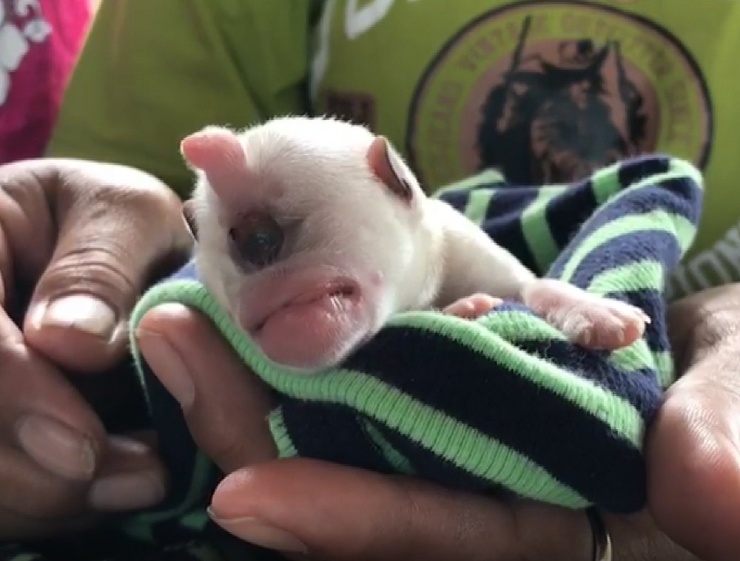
(256,240)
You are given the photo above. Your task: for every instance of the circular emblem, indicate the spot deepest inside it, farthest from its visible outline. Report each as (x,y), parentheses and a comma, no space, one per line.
(547,92)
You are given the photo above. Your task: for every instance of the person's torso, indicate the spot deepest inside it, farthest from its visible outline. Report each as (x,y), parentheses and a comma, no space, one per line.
(546,92)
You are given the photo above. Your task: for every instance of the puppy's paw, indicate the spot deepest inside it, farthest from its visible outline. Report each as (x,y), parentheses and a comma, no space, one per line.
(473,306)
(586,319)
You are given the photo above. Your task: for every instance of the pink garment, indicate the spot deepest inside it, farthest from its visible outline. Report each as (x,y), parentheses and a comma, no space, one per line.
(39,44)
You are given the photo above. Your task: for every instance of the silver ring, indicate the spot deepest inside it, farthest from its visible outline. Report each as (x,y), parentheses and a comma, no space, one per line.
(602,541)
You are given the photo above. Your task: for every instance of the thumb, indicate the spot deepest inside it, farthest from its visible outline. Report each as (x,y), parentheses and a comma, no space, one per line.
(115,227)
(332,512)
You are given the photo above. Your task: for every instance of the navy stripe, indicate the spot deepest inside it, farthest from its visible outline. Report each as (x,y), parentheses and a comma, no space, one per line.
(333,434)
(566,212)
(457,199)
(652,302)
(622,492)
(636,169)
(675,195)
(499,402)
(442,471)
(629,248)
(510,202)
(641,391)
(641,201)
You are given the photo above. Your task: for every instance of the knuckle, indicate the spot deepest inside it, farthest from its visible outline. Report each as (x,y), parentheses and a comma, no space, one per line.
(14,385)
(120,189)
(96,268)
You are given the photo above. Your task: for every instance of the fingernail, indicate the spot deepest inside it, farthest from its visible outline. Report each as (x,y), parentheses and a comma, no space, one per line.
(56,446)
(260,533)
(79,311)
(169,367)
(126,491)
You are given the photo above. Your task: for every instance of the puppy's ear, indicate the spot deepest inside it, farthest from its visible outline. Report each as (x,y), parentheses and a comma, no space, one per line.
(188,216)
(219,154)
(386,165)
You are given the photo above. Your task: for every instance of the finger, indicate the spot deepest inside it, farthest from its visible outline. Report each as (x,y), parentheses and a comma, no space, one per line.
(115,224)
(693,455)
(56,436)
(24,216)
(37,503)
(131,477)
(224,404)
(42,414)
(337,513)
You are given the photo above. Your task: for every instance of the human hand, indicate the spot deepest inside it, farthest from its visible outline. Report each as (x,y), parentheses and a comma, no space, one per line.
(78,241)
(694,443)
(331,512)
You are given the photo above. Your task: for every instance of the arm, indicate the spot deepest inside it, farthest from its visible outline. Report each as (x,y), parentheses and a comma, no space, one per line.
(152,72)
(474,262)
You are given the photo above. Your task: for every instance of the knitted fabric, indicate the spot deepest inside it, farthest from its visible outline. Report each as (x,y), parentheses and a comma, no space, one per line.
(504,402)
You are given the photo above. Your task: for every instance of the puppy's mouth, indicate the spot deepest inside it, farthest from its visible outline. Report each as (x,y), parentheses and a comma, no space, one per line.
(334,297)
(315,328)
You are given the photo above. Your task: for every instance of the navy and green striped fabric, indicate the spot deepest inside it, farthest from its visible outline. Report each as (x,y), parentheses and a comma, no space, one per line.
(503,403)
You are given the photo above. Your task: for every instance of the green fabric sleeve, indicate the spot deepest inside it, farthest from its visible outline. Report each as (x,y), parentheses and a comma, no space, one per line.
(153,71)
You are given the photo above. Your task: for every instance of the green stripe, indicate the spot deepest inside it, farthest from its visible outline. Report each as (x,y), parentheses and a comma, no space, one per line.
(140,526)
(280,434)
(517,326)
(610,409)
(676,172)
(638,275)
(641,275)
(400,462)
(655,221)
(635,357)
(196,520)
(487,177)
(666,368)
(605,183)
(639,356)
(536,229)
(682,169)
(476,208)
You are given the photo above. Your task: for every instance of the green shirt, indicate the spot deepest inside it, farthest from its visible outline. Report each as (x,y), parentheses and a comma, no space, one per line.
(544,91)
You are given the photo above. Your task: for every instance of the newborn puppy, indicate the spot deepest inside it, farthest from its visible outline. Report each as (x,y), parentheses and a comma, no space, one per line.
(313,232)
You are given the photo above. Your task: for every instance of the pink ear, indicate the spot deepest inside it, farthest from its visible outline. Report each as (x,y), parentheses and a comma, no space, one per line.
(219,154)
(385,165)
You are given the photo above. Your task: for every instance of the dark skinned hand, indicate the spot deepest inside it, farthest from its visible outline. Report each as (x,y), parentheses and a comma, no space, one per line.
(78,243)
(694,444)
